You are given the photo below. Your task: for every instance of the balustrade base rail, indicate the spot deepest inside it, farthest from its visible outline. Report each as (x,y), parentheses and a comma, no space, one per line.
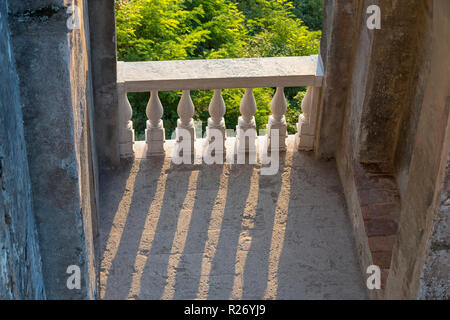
(229,154)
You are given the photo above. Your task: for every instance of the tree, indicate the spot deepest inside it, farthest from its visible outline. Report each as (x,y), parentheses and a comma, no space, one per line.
(310,11)
(210,29)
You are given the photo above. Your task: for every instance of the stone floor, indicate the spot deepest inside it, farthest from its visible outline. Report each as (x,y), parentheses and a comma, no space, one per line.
(226,231)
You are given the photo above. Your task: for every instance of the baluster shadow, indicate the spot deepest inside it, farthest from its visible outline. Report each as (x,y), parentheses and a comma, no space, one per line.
(158,244)
(217,283)
(209,198)
(255,270)
(318,259)
(122,237)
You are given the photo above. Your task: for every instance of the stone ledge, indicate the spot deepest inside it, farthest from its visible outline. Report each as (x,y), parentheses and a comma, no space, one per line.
(220,73)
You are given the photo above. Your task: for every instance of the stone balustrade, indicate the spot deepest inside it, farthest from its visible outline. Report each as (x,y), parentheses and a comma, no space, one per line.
(248,73)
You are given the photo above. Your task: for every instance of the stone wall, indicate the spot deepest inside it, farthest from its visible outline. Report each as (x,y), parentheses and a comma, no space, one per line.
(395,62)
(20,260)
(384,111)
(337,48)
(56,91)
(422,208)
(435,282)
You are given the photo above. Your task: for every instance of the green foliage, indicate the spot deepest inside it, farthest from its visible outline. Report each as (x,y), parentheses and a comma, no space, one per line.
(310,11)
(210,29)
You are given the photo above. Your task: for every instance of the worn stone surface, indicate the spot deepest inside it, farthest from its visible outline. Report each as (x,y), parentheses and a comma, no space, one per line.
(410,117)
(20,259)
(393,66)
(226,231)
(53,68)
(19,6)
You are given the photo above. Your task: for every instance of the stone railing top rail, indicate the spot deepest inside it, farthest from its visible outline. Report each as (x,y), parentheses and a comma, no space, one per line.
(220,73)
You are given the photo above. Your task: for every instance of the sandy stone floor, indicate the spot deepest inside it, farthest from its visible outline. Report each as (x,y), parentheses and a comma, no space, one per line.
(226,232)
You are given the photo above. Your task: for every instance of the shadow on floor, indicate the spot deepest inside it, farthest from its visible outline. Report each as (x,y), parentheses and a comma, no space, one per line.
(227,232)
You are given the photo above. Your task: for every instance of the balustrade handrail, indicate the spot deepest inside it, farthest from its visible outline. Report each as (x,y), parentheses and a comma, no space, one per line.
(218,74)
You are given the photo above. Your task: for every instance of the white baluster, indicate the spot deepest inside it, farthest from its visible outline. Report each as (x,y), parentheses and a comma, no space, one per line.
(126,132)
(185,111)
(154,134)
(306,126)
(248,107)
(217,110)
(246,128)
(277,121)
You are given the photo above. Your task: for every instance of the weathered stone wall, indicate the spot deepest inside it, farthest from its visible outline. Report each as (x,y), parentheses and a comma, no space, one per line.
(20,260)
(83,106)
(392,76)
(352,96)
(410,117)
(435,282)
(392,100)
(422,199)
(337,49)
(55,85)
